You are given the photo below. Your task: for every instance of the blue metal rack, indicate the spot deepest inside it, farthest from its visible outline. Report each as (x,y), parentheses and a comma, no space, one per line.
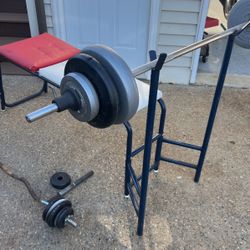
(136,186)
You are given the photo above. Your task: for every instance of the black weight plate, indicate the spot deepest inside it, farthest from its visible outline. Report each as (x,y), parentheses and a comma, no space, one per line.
(103,84)
(51,202)
(62,215)
(60,180)
(51,215)
(123,79)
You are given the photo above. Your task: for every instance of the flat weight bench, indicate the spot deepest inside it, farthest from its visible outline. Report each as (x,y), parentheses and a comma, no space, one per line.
(45,57)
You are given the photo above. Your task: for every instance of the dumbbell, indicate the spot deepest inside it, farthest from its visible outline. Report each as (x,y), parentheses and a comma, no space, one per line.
(58,211)
(98,88)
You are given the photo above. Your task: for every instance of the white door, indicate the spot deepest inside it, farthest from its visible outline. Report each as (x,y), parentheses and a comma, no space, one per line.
(120,24)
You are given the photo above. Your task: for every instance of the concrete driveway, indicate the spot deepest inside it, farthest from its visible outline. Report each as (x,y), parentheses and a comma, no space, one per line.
(214,214)
(238,72)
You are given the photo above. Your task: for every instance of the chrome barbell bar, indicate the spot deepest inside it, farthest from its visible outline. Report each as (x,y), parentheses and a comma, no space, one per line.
(183,51)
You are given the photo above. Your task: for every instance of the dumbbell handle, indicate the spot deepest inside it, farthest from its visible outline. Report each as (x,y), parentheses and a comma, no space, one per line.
(69,221)
(75,183)
(38,114)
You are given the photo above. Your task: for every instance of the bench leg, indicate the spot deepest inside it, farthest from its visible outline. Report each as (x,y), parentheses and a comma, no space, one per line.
(2,97)
(45,87)
(4,104)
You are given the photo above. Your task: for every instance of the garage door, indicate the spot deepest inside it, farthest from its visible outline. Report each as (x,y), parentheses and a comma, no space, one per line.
(121,24)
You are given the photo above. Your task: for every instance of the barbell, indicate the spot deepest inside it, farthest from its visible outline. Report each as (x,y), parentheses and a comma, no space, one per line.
(99,88)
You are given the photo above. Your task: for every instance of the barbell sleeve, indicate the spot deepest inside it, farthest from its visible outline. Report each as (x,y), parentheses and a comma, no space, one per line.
(40,113)
(68,100)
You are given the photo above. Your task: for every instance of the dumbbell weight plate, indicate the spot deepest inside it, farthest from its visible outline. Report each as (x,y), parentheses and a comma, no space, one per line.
(62,215)
(122,77)
(103,84)
(51,202)
(55,209)
(240,13)
(86,93)
(60,180)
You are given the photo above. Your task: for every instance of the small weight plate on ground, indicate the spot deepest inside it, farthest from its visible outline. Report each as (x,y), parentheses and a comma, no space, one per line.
(103,84)
(122,77)
(87,96)
(240,13)
(60,180)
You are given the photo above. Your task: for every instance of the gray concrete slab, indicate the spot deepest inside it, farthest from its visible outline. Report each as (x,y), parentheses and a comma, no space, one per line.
(180,213)
(240,61)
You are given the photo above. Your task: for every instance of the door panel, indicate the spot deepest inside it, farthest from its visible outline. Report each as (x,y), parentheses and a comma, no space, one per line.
(123,25)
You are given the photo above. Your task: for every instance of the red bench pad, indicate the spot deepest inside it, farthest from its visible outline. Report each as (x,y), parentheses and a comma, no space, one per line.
(211,22)
(38,52)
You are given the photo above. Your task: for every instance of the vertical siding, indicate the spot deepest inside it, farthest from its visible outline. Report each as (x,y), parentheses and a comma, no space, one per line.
(177,28)
(48,14)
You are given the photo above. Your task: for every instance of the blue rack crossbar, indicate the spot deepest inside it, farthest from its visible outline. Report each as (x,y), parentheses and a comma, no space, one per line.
(177,162)
(134,180)
(141,148)
(182,144)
